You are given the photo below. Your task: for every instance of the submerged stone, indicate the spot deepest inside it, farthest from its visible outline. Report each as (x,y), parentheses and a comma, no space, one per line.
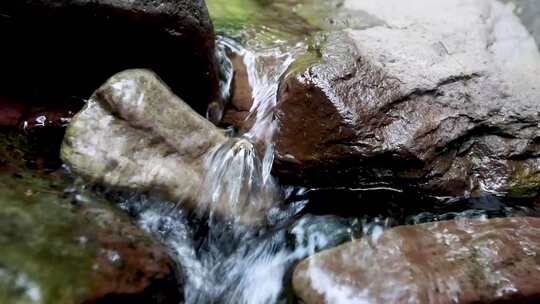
(437,95)
(53,50)
(462,261)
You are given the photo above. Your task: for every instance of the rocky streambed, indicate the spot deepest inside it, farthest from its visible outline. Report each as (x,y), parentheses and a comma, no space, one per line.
(285,151)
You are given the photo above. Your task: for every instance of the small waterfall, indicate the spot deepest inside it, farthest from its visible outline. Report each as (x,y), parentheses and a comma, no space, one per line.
(247,255)
(238,177)
(243,257)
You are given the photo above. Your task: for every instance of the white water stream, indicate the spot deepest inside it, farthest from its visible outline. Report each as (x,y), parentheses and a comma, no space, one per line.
(235,262)
(249,258)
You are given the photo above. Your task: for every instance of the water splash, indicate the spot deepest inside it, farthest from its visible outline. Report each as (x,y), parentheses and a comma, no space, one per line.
(238,177)
(243,260)
(247,258)
(244,257)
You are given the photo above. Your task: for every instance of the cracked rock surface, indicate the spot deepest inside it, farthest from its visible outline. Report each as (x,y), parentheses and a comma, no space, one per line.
(445,95)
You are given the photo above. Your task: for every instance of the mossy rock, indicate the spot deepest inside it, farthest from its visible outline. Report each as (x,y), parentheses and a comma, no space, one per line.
(261,23)
(525,182)
(70,246)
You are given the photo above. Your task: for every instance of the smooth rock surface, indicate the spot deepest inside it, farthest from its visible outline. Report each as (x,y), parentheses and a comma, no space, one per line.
(135,134)
(465,261)
(438,94)
(53,50)
(241,100)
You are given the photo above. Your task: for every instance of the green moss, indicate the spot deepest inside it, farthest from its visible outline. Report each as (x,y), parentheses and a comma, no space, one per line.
(525,181)
(14,147)
(528,188)
(313,56)
(232,16)
(267,23)
(42,259)
(20,151)
(50,240)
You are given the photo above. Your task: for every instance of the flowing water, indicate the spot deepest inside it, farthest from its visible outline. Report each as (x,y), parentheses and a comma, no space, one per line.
(249,257)
(231,261)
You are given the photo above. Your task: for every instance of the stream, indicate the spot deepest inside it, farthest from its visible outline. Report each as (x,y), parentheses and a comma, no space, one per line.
(229,262)
(234,233)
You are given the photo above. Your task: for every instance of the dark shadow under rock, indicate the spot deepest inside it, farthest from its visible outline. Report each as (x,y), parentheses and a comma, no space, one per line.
(53,50)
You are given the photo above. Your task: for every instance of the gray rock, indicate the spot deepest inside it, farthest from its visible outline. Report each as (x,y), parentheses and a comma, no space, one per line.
(443,95)
(152,141)
(135,134)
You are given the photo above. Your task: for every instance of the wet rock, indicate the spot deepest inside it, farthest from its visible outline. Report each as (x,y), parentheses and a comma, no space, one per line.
(135,134)
(270,34)
(443,96)
(238,109)
(469,261)
(58,49)
(70,247)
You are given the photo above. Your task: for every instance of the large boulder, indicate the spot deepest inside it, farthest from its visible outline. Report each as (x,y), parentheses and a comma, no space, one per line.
(465,261)
(443,95)
(52,50)
(136,134)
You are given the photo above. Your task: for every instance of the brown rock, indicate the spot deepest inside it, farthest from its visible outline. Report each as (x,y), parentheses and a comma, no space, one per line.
(242,93)
(406,102)
(57,49)
(11,112)
(128,266)
(237,112)
(462,261)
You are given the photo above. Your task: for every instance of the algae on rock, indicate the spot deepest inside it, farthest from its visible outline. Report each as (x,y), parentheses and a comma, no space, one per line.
(63,245)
